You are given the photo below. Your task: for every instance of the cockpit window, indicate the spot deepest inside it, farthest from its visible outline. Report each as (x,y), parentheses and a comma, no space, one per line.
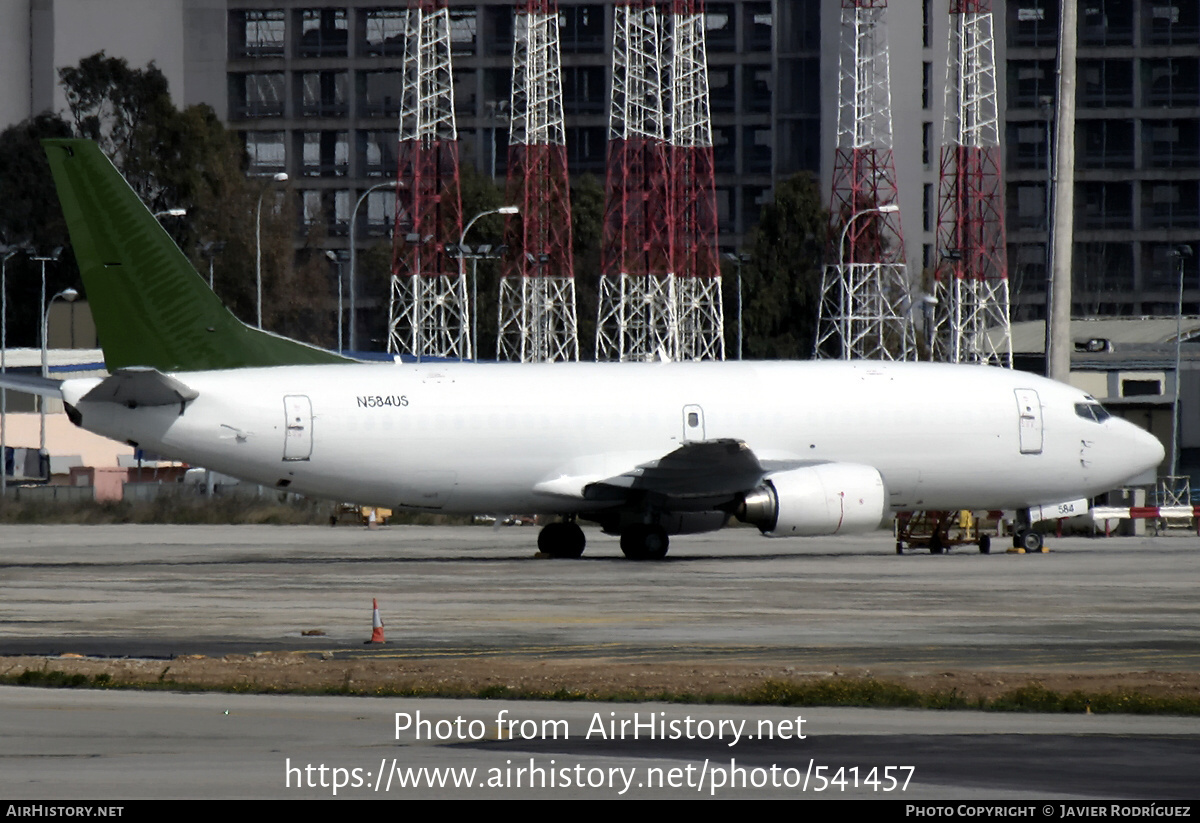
(1092,411)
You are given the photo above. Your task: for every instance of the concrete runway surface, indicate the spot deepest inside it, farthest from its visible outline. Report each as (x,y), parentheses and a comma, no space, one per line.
(1119,605)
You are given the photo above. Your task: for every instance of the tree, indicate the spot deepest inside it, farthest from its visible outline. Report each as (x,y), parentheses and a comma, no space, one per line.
(30,216)
(782,281)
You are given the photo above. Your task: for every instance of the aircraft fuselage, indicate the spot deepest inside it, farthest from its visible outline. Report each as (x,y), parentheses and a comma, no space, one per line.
(462,437)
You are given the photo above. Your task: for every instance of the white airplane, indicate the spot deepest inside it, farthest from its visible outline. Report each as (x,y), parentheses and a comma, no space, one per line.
(645,450)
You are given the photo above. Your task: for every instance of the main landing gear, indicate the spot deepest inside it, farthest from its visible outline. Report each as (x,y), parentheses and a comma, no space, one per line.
(639,541)
(644,542)
(561,540)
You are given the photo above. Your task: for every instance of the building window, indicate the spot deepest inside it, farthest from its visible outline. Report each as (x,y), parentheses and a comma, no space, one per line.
(1104,205)
(1032,22)
(926,24)
(1028,145)
(756,152)
(324,93)
(325,153)
(1105,144)
(1171,144)
(258,94)
(725,149)
(1172,22)
(1171,205)
(266,151)
(926,144)
(382,32)
(323,33)
(380,212)
(1031,206)
(586,148)
(377,153)
(379,93)
(927,207)
(584,90)
(758,25)
(719,32)
(1172,81)
(256,34)
(926,84)
(757,81)
(1106,23)
(581,29)
(1106,83)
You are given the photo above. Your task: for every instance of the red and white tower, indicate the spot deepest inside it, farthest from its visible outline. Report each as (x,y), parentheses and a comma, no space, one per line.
(636,317)
(429,312)
(697,268)
(537,292)
(864,309)
(971,279)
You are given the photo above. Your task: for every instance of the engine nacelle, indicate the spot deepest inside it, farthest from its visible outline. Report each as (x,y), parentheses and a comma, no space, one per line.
(830,498)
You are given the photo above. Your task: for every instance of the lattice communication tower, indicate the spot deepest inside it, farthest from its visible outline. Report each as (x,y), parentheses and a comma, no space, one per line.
(429,313)
(636,319)
(971,279)
(699,313)
(864,309)
(537,291)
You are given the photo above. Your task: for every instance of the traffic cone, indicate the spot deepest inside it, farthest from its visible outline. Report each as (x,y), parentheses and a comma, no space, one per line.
(376,624)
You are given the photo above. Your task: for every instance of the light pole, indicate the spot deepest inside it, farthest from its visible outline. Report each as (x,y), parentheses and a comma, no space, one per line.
(390,184)
(210,249)
(1180,253)
(462,271)
(738,259)
(170,213)
(69,295)
(886,208)
(336,259)
(279,177)
(9,252)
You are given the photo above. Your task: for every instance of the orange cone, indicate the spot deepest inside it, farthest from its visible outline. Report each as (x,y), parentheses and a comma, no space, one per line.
(376,624)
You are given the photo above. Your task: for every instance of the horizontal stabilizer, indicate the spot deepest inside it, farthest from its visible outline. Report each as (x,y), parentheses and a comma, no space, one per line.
(31,384)
(141,386)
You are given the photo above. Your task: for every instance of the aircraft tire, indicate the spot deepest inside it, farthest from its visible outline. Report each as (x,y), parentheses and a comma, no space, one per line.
(644,543)
(899,547)
(985,544)
(936,546)
(561,540)
(1031,541)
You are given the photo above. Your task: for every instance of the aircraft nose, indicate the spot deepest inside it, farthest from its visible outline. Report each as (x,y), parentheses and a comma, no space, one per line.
(1144,451)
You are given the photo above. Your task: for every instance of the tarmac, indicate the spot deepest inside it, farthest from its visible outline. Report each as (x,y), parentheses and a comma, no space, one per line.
(1119,604)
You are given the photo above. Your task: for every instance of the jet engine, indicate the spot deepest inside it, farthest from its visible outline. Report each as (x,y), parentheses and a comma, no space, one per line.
(829,498)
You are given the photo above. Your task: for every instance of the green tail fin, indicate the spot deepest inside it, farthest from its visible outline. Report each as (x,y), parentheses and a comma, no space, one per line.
(150,306)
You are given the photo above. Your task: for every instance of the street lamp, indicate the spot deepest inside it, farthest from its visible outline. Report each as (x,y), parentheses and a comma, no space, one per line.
(886,208)
(462,271)
(390,184)
(70,296)
(336,259)
(279,177)
(210,249)
(1180,253)
(171,213)
(738,259)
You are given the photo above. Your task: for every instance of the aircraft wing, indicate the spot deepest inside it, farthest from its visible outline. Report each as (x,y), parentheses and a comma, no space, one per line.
(141,386)
(694,477)
(31,384)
